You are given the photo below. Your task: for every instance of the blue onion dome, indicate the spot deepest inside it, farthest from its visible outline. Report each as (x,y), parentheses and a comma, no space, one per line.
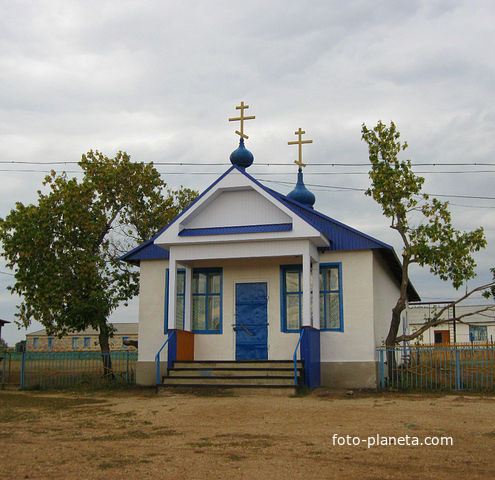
(241,157)
(301,194)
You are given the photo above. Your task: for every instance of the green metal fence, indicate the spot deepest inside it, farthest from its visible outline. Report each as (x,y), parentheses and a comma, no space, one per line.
(66,369)
(432,368)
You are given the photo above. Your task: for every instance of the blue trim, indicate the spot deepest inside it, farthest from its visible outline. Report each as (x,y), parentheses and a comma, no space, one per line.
(283,297)
(274,227)
(310,354)
(207,295)
(294,357)
(172,348)
(326,266)
(157,357)
(165,320)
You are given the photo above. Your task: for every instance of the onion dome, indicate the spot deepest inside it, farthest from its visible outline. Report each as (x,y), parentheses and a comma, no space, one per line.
(241,157)
(301,194)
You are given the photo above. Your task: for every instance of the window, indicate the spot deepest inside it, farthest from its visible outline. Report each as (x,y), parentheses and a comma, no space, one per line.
(207,300)
(87,342)
(180,302)
(36,342)
(331,317)
(123,342)
(478,333)
(330,298)
(50,343)
(75,341)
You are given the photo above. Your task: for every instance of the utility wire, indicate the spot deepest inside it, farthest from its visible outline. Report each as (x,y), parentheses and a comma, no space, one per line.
(332,164)
(331,187)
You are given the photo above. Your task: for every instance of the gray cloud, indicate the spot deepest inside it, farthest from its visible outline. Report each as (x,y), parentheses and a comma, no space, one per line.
(159,79)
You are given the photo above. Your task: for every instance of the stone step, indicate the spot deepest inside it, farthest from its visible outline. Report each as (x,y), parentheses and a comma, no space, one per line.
(237,381)
(237,364)
(232,372)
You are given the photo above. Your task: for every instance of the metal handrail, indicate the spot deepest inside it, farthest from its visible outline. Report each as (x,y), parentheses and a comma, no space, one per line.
(157,357)
(294,357)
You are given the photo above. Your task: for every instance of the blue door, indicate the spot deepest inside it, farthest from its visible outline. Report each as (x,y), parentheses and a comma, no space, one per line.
(251,324)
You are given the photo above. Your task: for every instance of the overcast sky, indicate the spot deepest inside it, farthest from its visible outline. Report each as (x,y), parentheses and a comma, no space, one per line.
(159,80)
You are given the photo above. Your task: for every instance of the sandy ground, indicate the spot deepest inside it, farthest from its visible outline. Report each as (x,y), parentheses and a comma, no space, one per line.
(138,434)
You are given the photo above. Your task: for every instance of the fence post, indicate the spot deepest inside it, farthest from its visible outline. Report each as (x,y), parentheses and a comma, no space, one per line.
(382,378)
(23,368)
(127,367)
(3,370)
(457,370)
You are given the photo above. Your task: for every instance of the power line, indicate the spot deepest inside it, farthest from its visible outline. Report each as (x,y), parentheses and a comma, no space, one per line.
(333,187)
(316,164)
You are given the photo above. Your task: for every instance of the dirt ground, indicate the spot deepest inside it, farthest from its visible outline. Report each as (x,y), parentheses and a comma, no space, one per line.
(216,435)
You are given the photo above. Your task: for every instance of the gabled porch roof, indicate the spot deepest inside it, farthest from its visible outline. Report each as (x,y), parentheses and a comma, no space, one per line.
(341,237)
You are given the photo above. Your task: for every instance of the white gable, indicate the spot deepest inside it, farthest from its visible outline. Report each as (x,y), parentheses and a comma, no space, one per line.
(236,202)
(235,208)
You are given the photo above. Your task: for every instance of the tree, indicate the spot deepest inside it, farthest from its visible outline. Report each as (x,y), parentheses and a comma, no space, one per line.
(424,224)
(64,250)
(3,344)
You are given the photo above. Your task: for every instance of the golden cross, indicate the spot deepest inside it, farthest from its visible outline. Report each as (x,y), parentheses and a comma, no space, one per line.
(241,107)
(300,143)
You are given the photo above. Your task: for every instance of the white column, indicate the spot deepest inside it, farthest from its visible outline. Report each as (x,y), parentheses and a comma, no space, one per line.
(306,289)
(188,300)
(316,294)
(172,291)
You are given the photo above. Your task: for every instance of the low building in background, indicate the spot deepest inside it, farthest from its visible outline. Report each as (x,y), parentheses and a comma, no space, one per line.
(477,328)
(86,340)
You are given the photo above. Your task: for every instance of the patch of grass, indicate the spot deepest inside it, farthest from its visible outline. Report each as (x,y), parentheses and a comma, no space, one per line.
(120,462)
(234,457)
(243,440)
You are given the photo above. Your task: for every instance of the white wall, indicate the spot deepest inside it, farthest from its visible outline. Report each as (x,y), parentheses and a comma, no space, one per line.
(242,207)
(151,309)
(356,342)
(361,303)
(386,292)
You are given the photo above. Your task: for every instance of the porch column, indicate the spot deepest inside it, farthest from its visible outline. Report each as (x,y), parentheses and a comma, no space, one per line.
(172,291)
(316,294)
(188,300)
(306,289)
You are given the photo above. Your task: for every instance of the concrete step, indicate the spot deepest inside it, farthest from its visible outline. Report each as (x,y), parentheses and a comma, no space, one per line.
(237,364)
(229,381)
(232,372)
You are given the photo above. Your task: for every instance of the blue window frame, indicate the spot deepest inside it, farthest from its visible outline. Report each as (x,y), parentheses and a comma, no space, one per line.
(123,340)
(87,342)
(50,343)
(331,314)
(75,341)
(207,300)
(36,342)
(181,299)
(331,317)
(478,333)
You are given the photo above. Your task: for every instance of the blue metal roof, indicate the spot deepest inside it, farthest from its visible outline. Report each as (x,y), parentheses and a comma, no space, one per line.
(341,236)
(274,227)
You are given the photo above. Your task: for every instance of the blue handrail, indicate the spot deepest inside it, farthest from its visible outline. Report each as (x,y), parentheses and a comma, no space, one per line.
(157,357)
(294,357)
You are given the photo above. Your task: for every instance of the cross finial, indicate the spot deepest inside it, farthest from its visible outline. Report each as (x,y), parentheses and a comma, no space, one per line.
(300,143)
(241,107)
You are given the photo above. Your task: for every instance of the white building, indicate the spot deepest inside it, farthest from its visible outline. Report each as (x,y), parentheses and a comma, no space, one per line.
(477,328)
(244,270)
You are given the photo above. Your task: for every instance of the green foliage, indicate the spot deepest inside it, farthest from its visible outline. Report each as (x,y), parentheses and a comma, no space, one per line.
(424,224)
(65,249)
